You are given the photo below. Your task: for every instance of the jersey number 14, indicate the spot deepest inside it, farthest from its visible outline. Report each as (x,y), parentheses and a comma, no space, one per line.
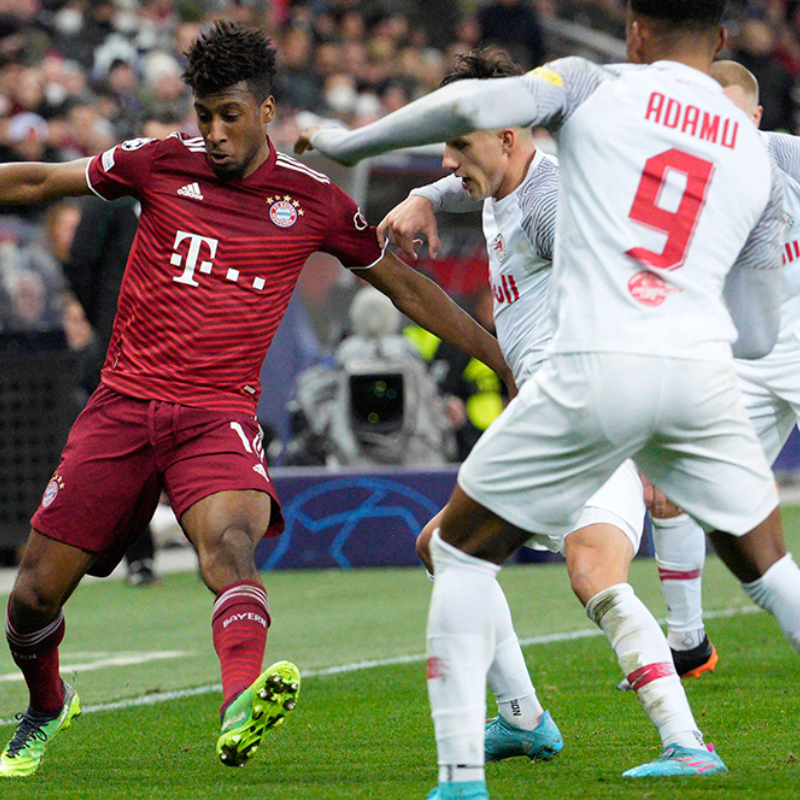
(678,225)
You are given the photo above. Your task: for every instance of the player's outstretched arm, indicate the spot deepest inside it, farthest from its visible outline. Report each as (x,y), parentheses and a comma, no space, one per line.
(453,110)
(407,221)
(423,301)
(36,182)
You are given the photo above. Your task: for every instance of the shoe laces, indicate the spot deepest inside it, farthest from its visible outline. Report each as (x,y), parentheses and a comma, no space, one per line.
(28,730)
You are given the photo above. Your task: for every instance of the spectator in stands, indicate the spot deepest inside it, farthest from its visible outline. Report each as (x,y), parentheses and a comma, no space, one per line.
(514,26)
(297,85)
(754,49)
(27,306)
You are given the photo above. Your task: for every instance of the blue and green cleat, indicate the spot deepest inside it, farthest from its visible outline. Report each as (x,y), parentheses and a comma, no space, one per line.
(453,790)
(262,706)
(23,754)
(505,741)
(677,760)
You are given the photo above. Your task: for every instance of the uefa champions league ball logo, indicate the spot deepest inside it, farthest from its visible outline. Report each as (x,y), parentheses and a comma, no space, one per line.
(348,522)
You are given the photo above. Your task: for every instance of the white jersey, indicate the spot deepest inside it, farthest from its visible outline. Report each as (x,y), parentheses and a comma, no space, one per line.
(785,153)
(519,232)
(653,254)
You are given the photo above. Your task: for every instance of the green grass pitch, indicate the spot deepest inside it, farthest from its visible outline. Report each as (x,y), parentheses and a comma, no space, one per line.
(362,728)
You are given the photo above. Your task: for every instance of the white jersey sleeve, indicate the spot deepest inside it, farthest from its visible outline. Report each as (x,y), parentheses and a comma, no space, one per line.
(763,247)
(754,286)
(447,194)
(547,97)
(538,201)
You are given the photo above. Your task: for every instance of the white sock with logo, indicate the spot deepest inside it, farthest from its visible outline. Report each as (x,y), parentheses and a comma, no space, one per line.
(508,676)
(680,546)
(646,660)
(461,645)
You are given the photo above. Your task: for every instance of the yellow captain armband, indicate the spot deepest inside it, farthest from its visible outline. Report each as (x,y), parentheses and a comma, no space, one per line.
(549,75)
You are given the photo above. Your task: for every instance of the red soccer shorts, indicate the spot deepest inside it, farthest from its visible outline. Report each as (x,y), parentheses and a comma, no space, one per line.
(122,451)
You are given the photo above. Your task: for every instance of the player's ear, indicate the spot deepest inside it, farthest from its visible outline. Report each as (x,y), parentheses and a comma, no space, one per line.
(507,138)
(635,41)
(267,110)
(722,40)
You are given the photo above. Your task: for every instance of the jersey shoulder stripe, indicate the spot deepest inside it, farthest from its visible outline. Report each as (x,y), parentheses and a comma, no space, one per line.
(194,143)
(289,163)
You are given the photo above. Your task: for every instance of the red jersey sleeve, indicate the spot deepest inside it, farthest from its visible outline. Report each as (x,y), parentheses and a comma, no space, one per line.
(123,170)
(350,237)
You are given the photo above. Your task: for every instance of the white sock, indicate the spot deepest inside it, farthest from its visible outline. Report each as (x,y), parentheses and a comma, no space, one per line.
(646,660)
(461,645)
(680,546)
(778,591)
(508,675)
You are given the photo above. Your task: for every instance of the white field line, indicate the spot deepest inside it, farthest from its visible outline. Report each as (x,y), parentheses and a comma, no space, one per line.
(122,660)
(163,697)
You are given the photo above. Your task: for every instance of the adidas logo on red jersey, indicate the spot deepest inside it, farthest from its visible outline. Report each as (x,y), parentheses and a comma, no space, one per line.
(191,190)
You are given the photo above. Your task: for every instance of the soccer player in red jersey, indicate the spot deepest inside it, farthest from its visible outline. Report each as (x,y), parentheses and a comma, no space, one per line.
(226,226)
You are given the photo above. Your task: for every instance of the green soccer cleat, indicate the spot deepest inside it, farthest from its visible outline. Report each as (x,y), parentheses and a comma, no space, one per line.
(24,753)
(262,706)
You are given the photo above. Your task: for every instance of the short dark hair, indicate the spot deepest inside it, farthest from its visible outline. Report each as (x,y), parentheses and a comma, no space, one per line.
(481,63)
(229,54)
(682,13)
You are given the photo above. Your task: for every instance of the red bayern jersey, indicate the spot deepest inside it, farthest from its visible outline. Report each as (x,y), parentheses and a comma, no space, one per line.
(213,266)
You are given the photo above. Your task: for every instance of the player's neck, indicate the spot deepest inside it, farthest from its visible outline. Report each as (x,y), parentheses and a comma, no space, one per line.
(516,173)
(693,60)
(696,51)
(258,159)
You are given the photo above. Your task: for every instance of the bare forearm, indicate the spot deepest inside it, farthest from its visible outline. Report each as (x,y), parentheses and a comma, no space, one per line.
(423,301)
(36,182)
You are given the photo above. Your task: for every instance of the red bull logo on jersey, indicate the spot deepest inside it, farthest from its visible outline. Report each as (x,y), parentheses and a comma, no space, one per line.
(505,290)
(284,211)
(692,120)
(649,289)
(498,247)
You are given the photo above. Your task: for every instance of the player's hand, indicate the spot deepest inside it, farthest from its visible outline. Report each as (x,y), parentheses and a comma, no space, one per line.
(405,222)
(303,143)
(657,502)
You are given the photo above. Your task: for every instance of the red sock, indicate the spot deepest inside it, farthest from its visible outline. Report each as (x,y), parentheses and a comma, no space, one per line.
(35,652)
(240,622)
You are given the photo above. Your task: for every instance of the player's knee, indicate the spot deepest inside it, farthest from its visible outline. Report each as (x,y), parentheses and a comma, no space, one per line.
(32,603)
(588,578)
(227,557)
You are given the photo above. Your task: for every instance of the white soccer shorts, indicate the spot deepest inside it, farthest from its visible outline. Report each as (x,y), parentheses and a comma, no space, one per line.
(583,414)
(771,394)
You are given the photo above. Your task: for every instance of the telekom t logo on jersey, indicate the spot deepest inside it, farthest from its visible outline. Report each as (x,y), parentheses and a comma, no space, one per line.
(199,246)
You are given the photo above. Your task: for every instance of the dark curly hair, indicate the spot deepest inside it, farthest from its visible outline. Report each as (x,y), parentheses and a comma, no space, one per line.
(682,13)
(229,54)
(481,63)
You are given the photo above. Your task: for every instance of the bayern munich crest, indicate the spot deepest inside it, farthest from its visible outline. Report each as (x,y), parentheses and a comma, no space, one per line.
(51,492)
(284,211)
